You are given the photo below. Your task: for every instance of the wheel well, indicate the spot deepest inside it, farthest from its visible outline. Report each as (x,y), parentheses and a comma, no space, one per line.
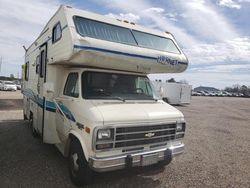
(165,99)
(71,138)
(31,115)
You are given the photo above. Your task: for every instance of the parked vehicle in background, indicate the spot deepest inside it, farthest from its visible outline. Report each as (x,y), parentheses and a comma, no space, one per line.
(216,93)
(200,93)
(212,94)
(18,84)
(174,93)
(8,86)
(194,93)
(241,94)
(226,94)
(1,85)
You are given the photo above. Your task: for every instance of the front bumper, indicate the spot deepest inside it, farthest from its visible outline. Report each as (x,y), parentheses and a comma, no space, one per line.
(135,159)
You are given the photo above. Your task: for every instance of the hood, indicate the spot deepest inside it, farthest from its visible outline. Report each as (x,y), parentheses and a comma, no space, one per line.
(130,112)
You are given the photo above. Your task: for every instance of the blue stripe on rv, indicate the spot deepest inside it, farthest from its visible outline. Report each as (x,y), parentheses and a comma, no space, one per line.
(50,106)
(87,48)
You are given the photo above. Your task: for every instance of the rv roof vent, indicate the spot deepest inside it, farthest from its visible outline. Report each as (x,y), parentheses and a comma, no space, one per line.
(126,21)
(132,23)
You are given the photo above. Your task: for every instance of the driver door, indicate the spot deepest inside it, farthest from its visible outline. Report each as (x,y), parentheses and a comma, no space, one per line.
(64,114)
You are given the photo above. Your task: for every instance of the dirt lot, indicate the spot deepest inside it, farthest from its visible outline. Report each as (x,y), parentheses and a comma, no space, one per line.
(217,150)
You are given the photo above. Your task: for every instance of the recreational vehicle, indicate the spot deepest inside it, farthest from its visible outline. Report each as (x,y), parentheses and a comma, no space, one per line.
(174,93)
(86,90)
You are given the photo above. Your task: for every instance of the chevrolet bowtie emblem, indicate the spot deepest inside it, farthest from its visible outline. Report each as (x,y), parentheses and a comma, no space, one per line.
(149,135)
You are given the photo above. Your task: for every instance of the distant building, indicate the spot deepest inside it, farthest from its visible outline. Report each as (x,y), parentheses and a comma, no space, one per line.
(204,88)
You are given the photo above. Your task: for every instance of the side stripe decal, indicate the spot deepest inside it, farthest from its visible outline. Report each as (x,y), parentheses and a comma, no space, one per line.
(50,106)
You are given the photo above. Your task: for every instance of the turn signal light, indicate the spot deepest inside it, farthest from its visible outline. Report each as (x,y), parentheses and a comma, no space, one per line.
(87,130)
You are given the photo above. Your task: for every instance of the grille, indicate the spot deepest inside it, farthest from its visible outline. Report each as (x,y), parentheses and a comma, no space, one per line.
(133,136)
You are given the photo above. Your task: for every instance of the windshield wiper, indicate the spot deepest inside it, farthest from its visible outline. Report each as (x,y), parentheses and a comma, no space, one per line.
(119,98)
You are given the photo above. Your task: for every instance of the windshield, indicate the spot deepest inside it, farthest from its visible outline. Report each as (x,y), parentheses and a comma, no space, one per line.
(99,85)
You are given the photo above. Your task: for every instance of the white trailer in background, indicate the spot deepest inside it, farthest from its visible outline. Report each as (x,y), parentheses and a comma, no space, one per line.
(174,93)
(86,90)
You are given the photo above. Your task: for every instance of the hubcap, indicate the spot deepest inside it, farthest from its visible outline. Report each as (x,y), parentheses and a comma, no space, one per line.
(74,159)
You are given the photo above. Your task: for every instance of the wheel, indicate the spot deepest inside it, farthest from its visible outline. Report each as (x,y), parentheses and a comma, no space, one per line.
(33,130)
(79,170)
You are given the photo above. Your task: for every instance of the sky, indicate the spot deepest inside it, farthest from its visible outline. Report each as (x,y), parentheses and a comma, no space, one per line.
(214,34)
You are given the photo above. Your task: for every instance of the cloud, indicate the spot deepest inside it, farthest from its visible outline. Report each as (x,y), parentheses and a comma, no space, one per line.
(154,10)
(237,49)
(128,16)
(205,22)
(224,68)
(21,22)
(151,15)
(229,4)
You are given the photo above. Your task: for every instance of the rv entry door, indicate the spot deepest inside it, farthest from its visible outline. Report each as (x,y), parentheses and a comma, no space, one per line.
(41,80)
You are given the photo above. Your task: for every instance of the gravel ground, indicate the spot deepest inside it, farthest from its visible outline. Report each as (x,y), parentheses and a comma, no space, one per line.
(217,151)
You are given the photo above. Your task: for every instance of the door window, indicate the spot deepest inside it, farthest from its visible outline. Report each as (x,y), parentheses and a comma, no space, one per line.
(72,87)
(42,64)
(37,64)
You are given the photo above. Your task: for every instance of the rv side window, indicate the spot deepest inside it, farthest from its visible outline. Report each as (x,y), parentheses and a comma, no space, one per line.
(37,64)
(26,71)
(147,40)
(42,64)
(103,31)
(72,87)
(56,33)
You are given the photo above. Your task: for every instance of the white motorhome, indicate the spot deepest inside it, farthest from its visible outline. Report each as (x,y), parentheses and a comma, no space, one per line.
(174,93)
(86,90)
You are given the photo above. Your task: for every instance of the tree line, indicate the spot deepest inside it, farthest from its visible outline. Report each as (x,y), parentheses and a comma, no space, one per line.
(239,89)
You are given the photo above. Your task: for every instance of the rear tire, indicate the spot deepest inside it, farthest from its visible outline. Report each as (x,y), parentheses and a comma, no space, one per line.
(79,170)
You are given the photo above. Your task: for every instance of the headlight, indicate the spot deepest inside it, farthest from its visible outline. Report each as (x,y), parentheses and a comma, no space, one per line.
(104,139)
(104,134)
(180,127)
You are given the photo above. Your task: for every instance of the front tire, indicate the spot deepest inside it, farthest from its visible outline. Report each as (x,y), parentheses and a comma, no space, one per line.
(79,170)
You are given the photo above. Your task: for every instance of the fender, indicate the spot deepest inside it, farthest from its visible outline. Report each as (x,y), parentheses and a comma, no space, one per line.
(75,134)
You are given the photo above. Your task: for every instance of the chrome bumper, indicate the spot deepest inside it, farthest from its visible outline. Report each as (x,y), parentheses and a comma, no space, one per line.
(135,159)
